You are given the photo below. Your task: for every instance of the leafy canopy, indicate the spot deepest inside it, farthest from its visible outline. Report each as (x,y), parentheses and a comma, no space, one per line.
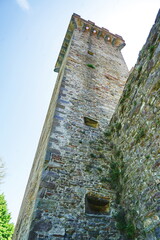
(6,228)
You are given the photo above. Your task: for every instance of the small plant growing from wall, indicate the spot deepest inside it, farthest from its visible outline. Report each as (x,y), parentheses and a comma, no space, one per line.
(104,180)
(91,66)
(114,174)
(92,155)
(151,51)
(90,53)
(118,126)
(88,167)
(141,133)
(125,225)
(107,134)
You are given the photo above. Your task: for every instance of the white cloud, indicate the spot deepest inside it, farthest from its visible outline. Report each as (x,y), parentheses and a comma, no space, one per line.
(23,4)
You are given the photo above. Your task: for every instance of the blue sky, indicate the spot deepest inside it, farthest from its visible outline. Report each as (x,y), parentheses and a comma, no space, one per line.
(31,34)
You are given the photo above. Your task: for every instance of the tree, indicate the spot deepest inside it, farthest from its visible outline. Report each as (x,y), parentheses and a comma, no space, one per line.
(2,170)
(6,228)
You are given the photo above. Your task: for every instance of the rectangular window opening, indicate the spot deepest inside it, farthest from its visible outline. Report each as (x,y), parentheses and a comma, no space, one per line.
(96,204)
(90,122)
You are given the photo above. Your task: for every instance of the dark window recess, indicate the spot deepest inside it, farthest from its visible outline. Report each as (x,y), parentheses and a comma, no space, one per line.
(90,122)
(96,204)
(91,66)
(90,53)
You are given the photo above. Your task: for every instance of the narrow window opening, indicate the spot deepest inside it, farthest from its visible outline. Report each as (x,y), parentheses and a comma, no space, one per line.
(90,122)
(96,204)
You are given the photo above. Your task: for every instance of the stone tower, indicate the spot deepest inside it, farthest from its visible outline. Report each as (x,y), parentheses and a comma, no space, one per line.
(65,197)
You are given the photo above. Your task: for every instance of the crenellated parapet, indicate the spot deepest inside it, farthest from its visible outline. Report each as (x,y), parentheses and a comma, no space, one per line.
(81,24)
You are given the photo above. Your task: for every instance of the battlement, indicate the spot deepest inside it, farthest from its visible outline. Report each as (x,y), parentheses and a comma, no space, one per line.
(79,23)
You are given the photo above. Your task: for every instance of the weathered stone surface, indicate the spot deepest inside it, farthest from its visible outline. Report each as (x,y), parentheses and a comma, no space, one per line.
(43,226)
(137,142)
(116,157)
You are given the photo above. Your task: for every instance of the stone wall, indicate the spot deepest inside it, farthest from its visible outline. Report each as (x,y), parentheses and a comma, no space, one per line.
(25,215)
(135,133)
(94,180)
(72,200)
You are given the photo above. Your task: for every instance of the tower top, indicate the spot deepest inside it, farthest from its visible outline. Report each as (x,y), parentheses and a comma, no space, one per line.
(79,23)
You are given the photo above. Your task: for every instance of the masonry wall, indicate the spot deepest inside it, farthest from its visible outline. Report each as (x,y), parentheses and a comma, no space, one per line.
(135,133)
(25,215)
(71,198)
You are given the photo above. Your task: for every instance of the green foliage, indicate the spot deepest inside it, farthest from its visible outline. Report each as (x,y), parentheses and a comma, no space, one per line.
(99,149)
(151,51)
(118,126)
(99,169)
(117,153)
(91,66)
(104,180)
(156,86)
(121,220)
(135,102)
(88,167)
(126,93)
(6,228)
(101,141)
(124,225)
(139,69)
(158,122)
(101,155)
(107,134)
(141,133)
(92,155)
(114,175)
(130,230)
(112,128)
